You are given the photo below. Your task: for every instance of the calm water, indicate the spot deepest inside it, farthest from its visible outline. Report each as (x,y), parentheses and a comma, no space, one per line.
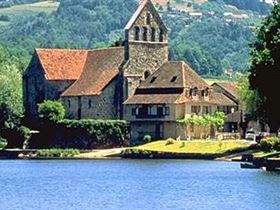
(133,184)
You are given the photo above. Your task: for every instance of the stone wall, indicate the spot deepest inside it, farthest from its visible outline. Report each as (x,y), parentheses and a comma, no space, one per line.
(36,88)
(102,106)
(144,56)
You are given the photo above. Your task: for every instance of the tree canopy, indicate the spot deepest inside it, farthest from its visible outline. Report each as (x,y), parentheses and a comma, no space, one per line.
(265,67)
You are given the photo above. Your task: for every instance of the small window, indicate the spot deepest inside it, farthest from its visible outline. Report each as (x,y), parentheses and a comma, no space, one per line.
(69,103)
(161,35)
(89,104)
(147,74)
(133,111)
(153,80)
(166,111)
(148,20)
(136,33)
(145,34)
(153,34)
(173,79)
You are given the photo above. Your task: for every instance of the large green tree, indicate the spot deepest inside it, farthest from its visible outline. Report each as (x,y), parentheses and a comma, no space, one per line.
(265,67)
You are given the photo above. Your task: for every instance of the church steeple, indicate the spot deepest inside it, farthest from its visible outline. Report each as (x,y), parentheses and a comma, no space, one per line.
(146,44)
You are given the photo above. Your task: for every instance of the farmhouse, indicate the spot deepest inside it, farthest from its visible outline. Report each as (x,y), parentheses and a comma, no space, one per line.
(135,82)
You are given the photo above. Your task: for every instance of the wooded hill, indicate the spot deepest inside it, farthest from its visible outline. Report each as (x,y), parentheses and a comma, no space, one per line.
(209,43)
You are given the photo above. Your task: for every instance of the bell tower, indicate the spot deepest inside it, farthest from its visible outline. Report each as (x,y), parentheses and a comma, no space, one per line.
(146,46)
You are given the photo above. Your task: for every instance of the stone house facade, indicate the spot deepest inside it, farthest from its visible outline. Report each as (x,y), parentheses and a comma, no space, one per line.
(135,82)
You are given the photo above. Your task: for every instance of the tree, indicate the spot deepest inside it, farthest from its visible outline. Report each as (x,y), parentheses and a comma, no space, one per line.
(249,99)
(265,68)
(51,111)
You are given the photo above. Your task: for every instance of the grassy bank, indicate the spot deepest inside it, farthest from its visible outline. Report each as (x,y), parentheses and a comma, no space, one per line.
(209,147)
(199,149)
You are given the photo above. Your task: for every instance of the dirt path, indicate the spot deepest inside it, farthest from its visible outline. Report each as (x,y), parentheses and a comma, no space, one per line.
(100,154)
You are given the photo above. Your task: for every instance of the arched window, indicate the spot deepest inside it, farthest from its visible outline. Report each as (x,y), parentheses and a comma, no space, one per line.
(147,74)
(145,34)
(153,34)
(136,33)
(161,35)
(148,19)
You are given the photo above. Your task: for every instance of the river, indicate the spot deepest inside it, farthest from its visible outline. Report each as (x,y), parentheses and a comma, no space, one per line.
(135,184)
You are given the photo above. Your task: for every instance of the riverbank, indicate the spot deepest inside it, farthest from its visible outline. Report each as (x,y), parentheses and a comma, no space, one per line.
(168,149)
(198,149)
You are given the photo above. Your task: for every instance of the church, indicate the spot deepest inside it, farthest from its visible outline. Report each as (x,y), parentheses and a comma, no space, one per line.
(135,82)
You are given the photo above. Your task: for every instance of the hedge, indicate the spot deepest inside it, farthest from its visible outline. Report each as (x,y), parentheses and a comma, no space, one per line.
(83,134)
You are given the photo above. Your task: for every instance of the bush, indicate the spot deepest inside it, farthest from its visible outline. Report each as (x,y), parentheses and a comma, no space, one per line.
(16,136)
(51,111)
(270,144)
(147,139)
(3,143)
(169,142)
(57,153)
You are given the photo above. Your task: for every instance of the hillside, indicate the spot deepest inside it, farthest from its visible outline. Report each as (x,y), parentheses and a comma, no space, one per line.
(211,36)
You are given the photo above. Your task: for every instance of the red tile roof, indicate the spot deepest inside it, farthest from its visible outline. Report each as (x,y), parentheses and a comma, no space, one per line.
(62,64)
(100,68)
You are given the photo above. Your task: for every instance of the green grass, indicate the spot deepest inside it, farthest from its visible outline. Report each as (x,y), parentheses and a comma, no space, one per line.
(24,10)
(198,146)
(263,154)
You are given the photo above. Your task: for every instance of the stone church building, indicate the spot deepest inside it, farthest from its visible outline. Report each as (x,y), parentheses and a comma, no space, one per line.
(135,82)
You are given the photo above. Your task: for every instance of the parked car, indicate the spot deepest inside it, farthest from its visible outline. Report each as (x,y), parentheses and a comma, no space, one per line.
(253,135)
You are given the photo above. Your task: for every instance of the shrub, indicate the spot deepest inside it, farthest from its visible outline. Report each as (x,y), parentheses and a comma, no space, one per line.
(147,139)
(16,136)
(270,144)
(51,111)
(3,143)
(57,153)
(169,142)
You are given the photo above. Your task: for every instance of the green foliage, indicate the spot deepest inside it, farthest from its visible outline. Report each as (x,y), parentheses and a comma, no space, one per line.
(208,45)
(3,143)
(147,139)
(51,111)
(16,136)
(100,131)
(265,67)
(216,120)
(270,144)
(57,153)
(249,99)
(10,90)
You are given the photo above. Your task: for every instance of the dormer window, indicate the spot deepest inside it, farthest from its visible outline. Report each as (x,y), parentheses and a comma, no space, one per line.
(145,34)
(173,79)
(148,19)
(153,80)
(206,92)
(136,33)
(194,91)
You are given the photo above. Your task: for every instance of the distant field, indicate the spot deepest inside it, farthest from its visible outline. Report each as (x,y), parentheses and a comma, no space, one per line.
(28,9)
